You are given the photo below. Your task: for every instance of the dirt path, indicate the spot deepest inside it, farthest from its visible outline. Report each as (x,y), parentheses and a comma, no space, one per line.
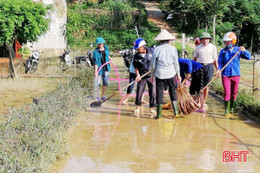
(156,16)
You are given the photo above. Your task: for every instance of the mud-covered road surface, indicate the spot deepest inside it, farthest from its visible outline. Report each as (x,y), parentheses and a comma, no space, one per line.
(112,139)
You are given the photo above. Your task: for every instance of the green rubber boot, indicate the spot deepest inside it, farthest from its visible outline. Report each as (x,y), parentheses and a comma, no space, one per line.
(227,108)
(159,111)
(232,104)
(175,109)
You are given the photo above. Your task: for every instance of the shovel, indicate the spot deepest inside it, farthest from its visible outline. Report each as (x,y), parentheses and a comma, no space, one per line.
(99,102)
(215,77)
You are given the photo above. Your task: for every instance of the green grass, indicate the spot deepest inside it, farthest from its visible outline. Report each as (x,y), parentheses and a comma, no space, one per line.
(33,136)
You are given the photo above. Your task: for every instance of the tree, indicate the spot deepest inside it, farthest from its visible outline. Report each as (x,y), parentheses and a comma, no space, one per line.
(21,20)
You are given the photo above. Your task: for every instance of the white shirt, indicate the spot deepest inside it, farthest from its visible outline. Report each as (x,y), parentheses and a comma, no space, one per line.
(206,54)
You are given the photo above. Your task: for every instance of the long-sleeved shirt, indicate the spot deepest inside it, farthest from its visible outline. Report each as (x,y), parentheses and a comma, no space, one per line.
(233,68)
(188,65)
(97,57)
(165,63)
(143,61)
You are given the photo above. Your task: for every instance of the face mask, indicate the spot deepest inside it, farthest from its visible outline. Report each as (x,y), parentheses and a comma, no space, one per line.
(229,46)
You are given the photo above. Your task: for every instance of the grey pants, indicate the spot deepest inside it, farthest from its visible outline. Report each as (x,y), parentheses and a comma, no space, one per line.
(140,90)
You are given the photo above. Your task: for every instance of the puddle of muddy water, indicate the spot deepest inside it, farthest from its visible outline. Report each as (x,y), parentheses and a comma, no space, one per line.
(112,139)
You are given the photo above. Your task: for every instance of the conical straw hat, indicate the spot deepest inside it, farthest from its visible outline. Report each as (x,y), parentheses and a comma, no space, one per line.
(164,35)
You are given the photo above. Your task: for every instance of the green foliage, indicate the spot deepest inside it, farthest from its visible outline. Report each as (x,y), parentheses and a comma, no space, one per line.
(239,16)
(23,20)
(79,27)
(24,52)
(121,39)
(245,100)
(115,23)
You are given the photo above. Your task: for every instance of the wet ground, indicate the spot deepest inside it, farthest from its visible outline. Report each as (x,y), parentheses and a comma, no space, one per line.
(112,139)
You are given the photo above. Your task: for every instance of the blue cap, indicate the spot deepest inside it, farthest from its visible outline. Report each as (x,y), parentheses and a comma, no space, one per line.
(139,43)
(100,40)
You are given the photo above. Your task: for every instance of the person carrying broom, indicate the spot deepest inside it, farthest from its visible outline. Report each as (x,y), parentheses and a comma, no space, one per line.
(165,69)
(231,74)
(101,56)
(142,64)
(188,68)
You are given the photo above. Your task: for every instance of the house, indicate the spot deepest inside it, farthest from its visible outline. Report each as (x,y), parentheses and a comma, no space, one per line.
(53,42)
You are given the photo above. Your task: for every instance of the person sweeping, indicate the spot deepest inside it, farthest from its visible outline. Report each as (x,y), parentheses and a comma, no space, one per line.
(142,64)
(188,68)
(100,57)
(165,69)
(231,74)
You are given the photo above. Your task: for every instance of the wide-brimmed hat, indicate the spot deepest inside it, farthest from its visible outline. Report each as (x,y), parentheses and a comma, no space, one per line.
(205,35)
(164,35)
(100,40)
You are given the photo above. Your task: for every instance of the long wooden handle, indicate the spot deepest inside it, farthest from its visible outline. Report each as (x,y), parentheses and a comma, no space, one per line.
(215,77)
(125,87)
(134,81)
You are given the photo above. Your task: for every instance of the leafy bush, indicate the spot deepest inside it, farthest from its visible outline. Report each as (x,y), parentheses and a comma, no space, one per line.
(23,20)
(245,101)
(83,28)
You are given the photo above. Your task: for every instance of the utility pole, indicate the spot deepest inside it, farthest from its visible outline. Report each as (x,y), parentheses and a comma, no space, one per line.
(256,85)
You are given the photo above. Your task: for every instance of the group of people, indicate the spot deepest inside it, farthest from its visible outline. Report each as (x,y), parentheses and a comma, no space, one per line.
(160,69)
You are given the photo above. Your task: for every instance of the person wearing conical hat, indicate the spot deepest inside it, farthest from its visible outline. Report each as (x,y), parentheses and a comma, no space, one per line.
(166,70)
(205,54)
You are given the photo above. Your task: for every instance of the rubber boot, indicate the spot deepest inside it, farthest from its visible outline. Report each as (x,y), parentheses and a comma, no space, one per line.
(159,111)
(175,109)
(227,108)
(232,104)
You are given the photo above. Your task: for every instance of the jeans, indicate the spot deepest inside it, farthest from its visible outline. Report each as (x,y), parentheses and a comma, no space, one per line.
(97,82)
(132,77)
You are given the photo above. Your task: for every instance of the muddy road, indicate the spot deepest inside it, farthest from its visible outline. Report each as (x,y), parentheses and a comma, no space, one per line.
(112,139)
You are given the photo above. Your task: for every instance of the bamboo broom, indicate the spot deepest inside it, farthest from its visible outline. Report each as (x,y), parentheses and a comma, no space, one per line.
(187,105)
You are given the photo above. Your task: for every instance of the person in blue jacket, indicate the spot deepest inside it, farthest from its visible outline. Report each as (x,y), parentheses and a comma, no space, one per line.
(187,68)
(231,74)
(101,56)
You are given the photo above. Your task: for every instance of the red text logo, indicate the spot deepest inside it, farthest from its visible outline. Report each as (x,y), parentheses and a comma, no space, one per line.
(232,156)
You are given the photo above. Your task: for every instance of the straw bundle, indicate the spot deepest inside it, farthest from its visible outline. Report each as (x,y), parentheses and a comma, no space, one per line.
(186,103)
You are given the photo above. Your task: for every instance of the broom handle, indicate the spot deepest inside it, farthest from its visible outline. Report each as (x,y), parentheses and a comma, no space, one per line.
(134,81)
(125,87)
(215,77)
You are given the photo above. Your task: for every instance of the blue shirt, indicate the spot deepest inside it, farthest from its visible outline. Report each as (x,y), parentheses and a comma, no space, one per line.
(97,55)
(132,68)
(188,65)
(233,68)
